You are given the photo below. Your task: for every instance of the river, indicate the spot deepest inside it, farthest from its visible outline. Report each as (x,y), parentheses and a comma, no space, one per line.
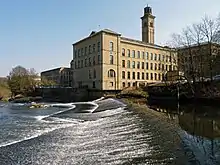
(107,132)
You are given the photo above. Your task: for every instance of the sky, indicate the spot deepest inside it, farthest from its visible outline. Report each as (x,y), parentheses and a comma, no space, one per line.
(39,33)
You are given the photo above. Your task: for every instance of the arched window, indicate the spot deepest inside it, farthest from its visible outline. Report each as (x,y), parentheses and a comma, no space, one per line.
(111,73)
(94,73)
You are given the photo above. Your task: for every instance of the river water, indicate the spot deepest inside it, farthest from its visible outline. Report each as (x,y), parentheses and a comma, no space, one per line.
(107,132)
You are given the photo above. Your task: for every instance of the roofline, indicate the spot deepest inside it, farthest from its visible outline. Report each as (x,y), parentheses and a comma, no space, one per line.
(126,40)
(55,69)
(90,36)
(195,45)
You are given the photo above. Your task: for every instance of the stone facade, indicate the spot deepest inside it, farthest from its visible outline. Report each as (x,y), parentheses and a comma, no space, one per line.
(106,60)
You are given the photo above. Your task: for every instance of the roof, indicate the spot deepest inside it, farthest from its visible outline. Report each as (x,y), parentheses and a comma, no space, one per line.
(144,43)
(60,68)
(93,33)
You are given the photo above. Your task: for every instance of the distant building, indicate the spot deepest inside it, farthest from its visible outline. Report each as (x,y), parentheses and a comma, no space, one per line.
(107,61)
(201,60)
(61,76)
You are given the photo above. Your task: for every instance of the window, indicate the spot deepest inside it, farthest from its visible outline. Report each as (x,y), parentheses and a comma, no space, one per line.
(111,73)
(129,75)
(155,57)
(134,84)
(123,84)
(93,84)
(111,59)
(159,76)
(123,74)
(128,64)
(138,65)
(90,63)
(139,55)
(93,48)
(147,56)
(75,65)
(155,76)
(129,84)
(82,51)
(78,64)
(99,59)
(147,65)
(166,68)
(167,58)
(123,63)
(75,53)
(170,58)
(155,66)
(111,47)
(142,75)
(142,65)
(159,66)
(90,76)
(81,63)
(147,76)
(98,46)
(133,53)
(93,60)
(85,50)
(85,62)
(89,49)
(163,58)
(133,64)
(133,75)
(111,84)
(151,66)
(151,56)
(170,67)
(159,57)
(138,75)
(151,76)
(123,52)
(94,73)
(129,53)
(143,54)
(78,52)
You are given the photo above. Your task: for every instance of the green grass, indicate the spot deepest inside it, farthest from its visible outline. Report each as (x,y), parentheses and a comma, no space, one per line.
(4,91)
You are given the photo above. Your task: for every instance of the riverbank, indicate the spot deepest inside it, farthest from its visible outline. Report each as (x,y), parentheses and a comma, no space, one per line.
(163,125)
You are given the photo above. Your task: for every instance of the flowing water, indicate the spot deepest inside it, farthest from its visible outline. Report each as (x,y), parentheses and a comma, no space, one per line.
(103,132)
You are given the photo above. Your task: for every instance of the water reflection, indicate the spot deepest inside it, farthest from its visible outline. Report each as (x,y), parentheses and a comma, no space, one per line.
(200,129)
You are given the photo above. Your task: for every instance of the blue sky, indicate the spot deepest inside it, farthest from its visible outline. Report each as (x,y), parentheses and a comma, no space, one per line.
(39,33)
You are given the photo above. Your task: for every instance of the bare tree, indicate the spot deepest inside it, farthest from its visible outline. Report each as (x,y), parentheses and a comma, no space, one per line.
(210,29)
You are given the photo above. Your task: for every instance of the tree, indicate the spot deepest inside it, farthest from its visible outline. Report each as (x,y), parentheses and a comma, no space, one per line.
(21,81)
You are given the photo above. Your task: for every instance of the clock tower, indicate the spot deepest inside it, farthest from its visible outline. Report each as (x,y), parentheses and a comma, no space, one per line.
(148,26)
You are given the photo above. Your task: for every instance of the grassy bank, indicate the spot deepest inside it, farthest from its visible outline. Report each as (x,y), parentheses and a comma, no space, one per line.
(5,92)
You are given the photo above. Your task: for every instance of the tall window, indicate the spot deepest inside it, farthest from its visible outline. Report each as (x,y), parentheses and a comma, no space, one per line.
(81,63)
(147,56)
(90,63)
(129,53)
(123,84)
(78,52)
(147,65)
(133,64)
(142,75)
(133,75)
(128,64)
(139,55)
(75,53)
(94,73)
(123,52)
(163,58)
(90,76)
(111,73)
(85,50)
(138,75)
(78,64)
(155,57)
(155,76)
(159,57)
(159,76)
(129,75)
(155,66)
(111,47)
(142,65)
(143,54)
(93,48)
(123,74)
(93,60)
(147,76)
(138,65)
(151,76)
(151,66)
(99,59)
(98,46)
(90,49)
(151,56)
(123,63)
(133,53)
(82,53)
(111,59)
(85,62)
(162,67)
